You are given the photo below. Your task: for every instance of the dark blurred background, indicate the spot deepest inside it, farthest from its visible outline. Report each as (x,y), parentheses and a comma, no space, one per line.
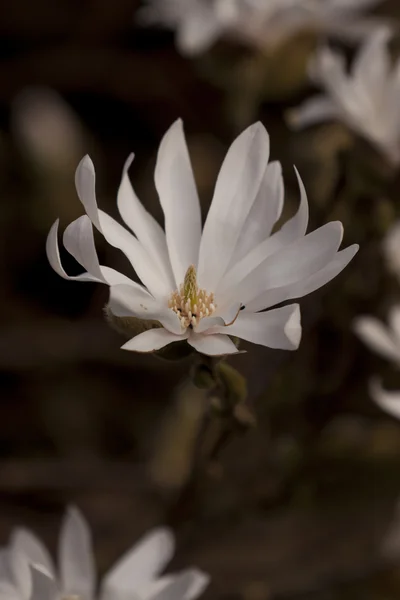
(299,506)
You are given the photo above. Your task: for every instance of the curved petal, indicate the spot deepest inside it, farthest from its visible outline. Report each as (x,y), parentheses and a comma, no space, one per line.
(377,337)
(279,328)
(153,339)
(43,585)
(304,286)
(388,401)
(293,229)
(149,233)
(116,235)
(109,276)
(212,344)
(372,64)
(127,301)
(177,191)
(265,212)
(78,240)
(184,586)
(76,563)
(222,318)
(25,542)
(198,31)
(141,564)
(298,261)
(235,192)
(8,591)
(20,573)
(311,112)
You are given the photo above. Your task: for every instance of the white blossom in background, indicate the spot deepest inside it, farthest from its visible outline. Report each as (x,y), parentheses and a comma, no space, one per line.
(391,249)
(265,23)
(27,571)
(204,286)
(384,340)
(366,100)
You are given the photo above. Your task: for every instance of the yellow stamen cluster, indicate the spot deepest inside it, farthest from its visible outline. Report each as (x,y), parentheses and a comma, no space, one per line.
(191,303)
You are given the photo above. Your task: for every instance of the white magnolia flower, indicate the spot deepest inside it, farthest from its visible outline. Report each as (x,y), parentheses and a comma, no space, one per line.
(204,286)
(199,23)
(386,342)
(391,249)
(366,100)
(27,571)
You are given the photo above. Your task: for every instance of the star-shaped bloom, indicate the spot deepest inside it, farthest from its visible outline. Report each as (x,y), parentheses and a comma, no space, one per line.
(366,99)
(384,340)
(265,23)
(205,286)
(27,571)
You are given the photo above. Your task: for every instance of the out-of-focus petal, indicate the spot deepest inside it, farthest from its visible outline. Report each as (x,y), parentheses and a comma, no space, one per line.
(184,586)
(142,563)
(312,112)
(377,337)
(25,542)
(43,585)
(388,401)
(76,562)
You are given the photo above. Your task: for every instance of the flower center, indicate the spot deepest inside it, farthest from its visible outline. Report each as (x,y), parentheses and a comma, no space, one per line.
(190,302)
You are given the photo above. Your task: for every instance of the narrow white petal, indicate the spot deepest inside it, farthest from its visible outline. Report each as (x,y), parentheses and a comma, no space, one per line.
(184,586)
(372,64)
(236,189)
(177,191)
(43,586)
(394,322)
(279,328)
(222,317)
(311,112)
(388,401)
(377,337)
(212,344)
(25,542)
(8,591)
(298,261)
(198,31)
(153,339)
(116,235)
(127,301)
(265,212)
(304,286)
(149,233)
(21,576)
(141,564)
(76,562)
(293,229)
(78,240)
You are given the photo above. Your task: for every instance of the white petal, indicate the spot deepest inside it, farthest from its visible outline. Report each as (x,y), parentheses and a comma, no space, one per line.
(116,235)
(21,576)
(298,261)
(199,581)
(149,233)
(293,229)
(372,63)
(387,401)
(212,344)
(43,586)
(78,240)
(279,328)
(127,301)
(198,31)
(152,340)
(25,542)
(304,286)
(377,337)
(9,592)
(141,564)
(179,200)
(222,318)
(185,586)
(109,276)
(5,573)
(76,562)
(265,212)
(236,189)
(394,322)
(312,112)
